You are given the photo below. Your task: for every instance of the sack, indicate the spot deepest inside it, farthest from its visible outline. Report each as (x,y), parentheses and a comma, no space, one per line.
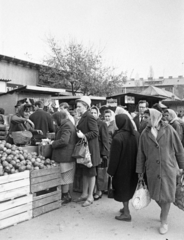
(21,137)
(80,149)
(179,197)
(110,193)
(86,160)
(141,197)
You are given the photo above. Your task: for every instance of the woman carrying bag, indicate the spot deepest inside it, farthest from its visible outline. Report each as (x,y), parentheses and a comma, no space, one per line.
(160,153)
(87,127)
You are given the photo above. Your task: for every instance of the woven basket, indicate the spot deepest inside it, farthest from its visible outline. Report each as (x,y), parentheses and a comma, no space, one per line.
(21,137)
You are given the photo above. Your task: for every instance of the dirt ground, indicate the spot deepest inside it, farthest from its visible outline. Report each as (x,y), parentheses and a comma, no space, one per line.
(96,222)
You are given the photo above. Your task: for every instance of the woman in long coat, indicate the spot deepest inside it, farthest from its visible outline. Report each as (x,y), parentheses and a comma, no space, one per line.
(63,147)
(160,153)
(122,164)
(87,127)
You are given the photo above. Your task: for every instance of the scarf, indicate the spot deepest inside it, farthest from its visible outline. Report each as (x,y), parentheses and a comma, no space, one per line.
(156,116)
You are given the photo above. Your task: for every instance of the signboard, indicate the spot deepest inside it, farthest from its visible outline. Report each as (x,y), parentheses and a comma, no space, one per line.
(129,99)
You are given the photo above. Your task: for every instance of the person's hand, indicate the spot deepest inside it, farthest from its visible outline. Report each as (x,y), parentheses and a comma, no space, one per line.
(80,134)
(40,132)
(140,176)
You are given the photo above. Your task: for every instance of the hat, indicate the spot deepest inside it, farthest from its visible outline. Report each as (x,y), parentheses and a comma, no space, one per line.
(85,99)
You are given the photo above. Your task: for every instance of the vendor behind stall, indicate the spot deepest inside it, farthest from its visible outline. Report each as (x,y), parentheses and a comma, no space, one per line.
(21,122)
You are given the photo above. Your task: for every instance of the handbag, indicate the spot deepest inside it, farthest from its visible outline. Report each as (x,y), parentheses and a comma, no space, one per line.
(110,193)
(80,149)
(179,196)
(141,197)
(86,160)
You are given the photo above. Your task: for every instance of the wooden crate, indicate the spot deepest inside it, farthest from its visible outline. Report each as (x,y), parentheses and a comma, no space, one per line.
(46,190)
(15,199)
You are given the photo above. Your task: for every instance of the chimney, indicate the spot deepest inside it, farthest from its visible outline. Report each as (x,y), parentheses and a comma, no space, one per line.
(161,77)
(180,76)
(170,77)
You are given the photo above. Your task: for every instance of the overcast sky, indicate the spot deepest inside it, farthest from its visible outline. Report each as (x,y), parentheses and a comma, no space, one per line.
(135,34)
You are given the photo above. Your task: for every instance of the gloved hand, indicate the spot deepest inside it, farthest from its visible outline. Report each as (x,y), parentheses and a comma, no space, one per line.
(80,134)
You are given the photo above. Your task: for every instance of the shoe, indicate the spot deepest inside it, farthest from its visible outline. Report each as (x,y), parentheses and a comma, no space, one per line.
(66,199)
(97,197)
(163,228)
(122,217)
(122,210)
(87,203)
(80,199)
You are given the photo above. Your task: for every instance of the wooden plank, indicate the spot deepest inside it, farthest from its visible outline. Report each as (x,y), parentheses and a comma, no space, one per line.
(16,219)
(35,198)
(42,172)
(14,185)
(45,178)
(14,177)
(45,185)
(16,210)
(46,208)
(47,200)
(14,193)
(16,202)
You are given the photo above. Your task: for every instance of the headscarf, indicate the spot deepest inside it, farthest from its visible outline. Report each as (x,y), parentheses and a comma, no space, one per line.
(59,117)
(123,122)
(172,115)
(112,117)
(97,110)
(156,116)
(120,110)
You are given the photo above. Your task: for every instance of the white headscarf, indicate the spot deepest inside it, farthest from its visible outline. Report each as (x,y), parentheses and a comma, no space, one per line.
(120,110)
(172,114)
(156,116)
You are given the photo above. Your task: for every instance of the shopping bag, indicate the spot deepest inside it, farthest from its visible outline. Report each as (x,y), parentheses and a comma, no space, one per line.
(80,149)
(86,160)
(141,197)
(179,196)
(110,193)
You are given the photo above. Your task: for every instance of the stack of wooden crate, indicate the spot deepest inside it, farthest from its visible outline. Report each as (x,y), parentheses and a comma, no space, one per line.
(15,199)
(46,190)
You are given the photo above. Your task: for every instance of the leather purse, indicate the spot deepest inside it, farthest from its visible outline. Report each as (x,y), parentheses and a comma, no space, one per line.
(80,149)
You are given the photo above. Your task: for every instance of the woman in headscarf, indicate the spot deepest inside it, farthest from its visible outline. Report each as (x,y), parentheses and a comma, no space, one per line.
(160,153)
(109,117)
(21,122)
(122,164)
(174,121)
(63,147)
(103,139)
(120,110)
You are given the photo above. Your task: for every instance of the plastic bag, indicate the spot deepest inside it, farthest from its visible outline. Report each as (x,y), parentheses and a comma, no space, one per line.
(86,160)
(179,197)
(141,197)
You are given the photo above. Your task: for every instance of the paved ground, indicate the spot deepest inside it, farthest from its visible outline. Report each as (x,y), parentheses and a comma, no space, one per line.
(73,222)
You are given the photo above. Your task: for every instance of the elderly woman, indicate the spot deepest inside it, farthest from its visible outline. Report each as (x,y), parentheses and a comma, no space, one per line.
(160,153)
(88,128)
(101,179)
(175,122)
(63,147)
(21,122)
(122,164)
(109,117)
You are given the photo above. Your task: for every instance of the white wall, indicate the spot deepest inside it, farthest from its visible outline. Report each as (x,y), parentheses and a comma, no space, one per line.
(2,87)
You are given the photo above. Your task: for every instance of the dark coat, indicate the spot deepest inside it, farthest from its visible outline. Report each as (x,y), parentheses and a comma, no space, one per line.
(64,143)
(103,138)
(178,128)
(88,126)
(122,164)
(140,125)
(42,121)
(161,159)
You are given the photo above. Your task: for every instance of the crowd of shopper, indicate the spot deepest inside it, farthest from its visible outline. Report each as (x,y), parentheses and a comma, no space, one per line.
(124,148)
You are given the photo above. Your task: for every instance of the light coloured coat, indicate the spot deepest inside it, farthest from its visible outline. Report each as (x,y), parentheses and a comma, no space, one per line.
(160,158)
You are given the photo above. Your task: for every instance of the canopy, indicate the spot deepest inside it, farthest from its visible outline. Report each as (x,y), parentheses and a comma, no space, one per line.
(155,91)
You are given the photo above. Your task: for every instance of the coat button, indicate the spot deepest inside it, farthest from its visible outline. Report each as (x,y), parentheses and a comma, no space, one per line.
(158,176)
(158,161)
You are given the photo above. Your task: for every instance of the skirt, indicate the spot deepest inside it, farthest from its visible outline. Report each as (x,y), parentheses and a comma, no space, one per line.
(67,172)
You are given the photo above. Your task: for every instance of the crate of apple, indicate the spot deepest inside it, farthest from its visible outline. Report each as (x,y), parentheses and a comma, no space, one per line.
(15,159)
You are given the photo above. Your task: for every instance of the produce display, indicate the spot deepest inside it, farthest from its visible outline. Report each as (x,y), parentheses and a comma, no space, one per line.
(14,159)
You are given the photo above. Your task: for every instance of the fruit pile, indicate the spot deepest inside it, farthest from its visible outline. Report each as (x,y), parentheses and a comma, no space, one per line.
(15,159)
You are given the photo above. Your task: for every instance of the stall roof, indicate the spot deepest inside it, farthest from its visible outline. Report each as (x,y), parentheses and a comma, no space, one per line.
(29,88)
(77,97)
(138,96)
